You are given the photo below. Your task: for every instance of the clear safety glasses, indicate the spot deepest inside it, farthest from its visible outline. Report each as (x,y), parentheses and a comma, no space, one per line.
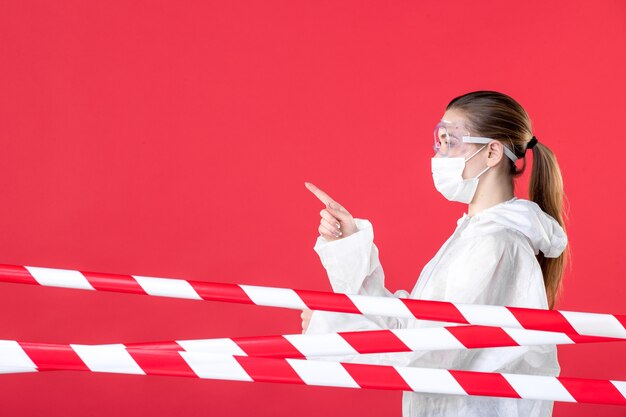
(454,139)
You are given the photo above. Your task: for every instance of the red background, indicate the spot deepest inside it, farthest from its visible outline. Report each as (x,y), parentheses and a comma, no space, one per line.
(172,139)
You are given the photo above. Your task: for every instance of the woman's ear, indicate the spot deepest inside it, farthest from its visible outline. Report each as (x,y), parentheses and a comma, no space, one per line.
(495,152)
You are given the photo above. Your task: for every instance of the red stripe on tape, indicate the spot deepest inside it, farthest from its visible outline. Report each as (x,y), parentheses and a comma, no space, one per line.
(48,357)
(371,341)
(268,370)
(319,300)
(435,310)
(113,282)
(172,346)
(482,383)
(270,346)
(215,291)
(161,362)
(550,320)
(380,377)
(473,337)
(16,274)
(593,391)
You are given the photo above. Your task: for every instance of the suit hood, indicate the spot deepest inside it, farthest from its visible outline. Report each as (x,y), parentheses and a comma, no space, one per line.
(542,230)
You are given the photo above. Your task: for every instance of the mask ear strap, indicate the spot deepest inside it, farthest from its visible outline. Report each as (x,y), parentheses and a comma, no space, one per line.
(482,172)
(474,154)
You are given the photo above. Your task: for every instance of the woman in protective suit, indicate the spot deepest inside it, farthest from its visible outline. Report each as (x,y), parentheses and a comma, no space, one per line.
(504,251)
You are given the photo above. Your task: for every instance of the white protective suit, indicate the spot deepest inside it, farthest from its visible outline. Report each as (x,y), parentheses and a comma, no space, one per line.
(489,259)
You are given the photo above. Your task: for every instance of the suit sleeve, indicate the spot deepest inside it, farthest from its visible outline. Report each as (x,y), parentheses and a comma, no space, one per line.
(353,267)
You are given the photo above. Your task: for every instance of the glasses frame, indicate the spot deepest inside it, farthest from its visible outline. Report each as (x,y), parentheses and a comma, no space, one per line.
(468,139)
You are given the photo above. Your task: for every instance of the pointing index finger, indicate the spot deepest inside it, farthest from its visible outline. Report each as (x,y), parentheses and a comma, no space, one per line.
(321,195)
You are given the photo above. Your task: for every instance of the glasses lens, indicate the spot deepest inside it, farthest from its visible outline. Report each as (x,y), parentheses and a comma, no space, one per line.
(448,138)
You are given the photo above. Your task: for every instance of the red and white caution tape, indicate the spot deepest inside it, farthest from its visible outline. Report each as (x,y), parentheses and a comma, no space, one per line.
(120,359)
(573,323)
(370,341)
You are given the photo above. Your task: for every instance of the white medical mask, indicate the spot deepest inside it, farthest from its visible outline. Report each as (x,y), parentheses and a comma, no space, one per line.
(449,181)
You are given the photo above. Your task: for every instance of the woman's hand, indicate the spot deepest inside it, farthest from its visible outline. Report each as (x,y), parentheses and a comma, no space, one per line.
(336,221)
(306,318)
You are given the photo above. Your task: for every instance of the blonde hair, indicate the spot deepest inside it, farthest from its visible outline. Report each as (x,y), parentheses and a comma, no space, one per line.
(498,116)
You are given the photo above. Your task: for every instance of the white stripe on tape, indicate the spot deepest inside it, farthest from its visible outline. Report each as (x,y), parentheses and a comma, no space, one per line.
(108,358)
(537,337)
(320,344)
(223,346)
(383,306)
(538,387)
(595,324)
(13,370)
(13,356)
(488,315)
(53,277)
(214,366)
(438,381)
(270,296)
(322,373)
(167,287)
(428,338)
(621,386)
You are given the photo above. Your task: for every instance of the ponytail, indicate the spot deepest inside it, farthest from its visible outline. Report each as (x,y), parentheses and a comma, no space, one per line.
(496,115)
(546,189)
